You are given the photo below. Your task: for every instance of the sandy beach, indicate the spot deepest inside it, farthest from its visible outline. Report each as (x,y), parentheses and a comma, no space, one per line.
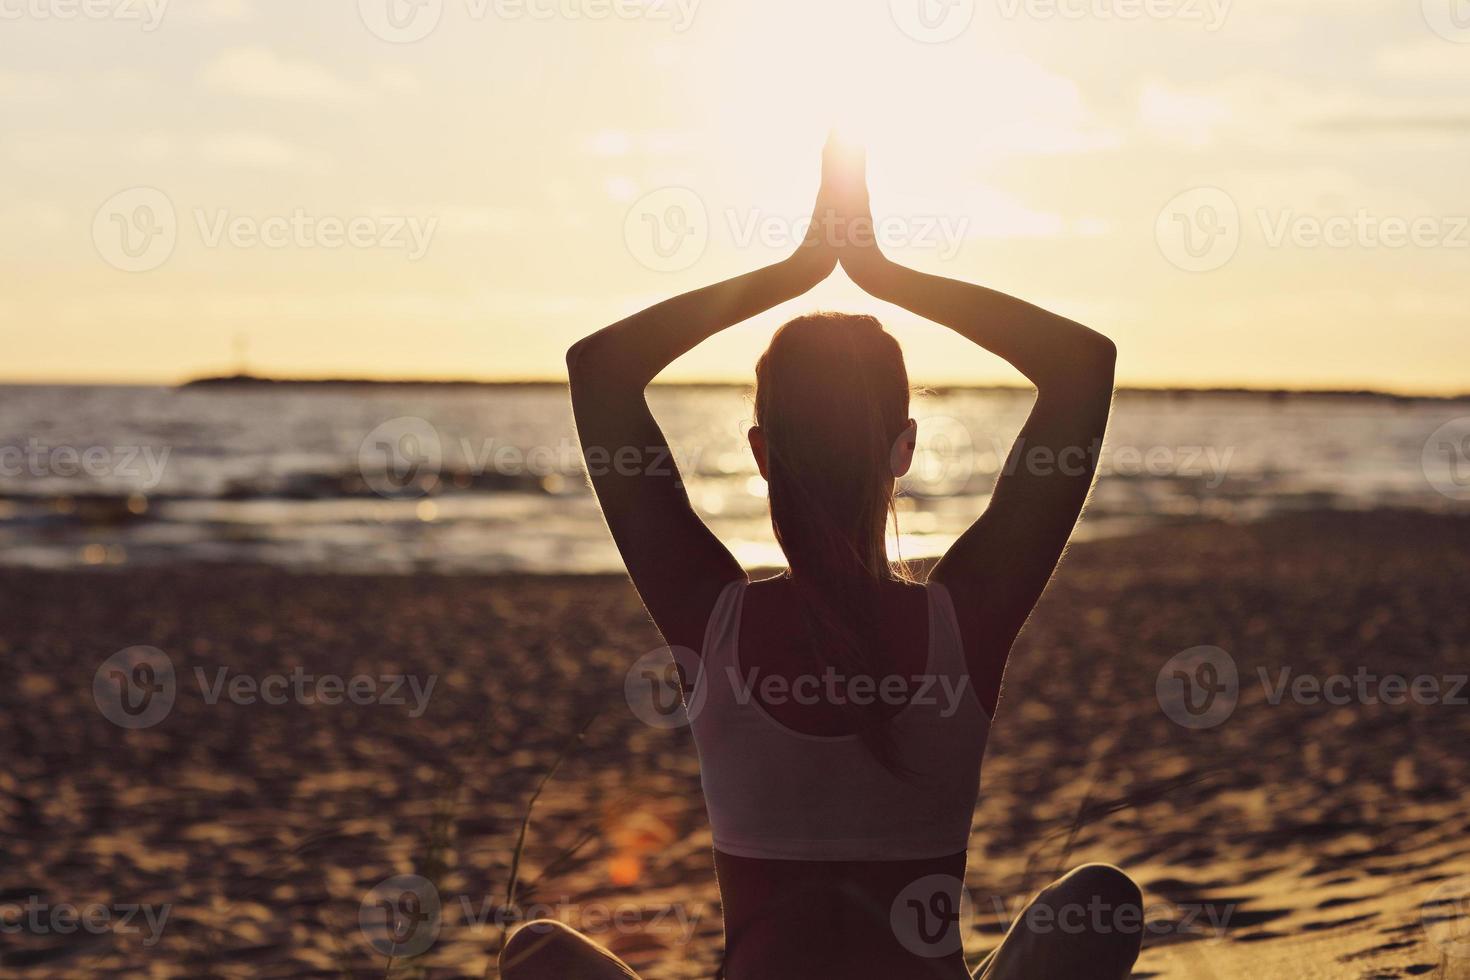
(1301,836)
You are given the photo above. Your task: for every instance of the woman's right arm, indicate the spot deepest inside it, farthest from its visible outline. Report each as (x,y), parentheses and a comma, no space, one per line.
(1000,566)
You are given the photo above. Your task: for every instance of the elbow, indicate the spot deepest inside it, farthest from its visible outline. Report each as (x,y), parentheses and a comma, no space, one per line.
(1090,370)
(578,360)
(1102,358)
(595,371)
(574,355)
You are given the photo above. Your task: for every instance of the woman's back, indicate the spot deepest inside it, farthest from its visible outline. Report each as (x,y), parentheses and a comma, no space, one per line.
(819,844)
(787,775)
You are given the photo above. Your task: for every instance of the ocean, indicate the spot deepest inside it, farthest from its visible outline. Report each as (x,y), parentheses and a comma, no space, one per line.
(404,478)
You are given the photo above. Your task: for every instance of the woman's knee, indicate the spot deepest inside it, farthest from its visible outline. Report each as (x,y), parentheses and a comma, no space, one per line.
(536,946)
(1110,904)
(548,950)
(1108,883)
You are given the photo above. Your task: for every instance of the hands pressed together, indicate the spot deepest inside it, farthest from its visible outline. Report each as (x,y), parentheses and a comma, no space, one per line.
(842,228)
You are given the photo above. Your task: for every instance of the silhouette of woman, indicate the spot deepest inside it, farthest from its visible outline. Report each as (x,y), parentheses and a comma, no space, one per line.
(844,707)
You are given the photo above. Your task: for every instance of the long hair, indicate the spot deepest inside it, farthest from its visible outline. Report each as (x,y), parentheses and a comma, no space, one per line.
(832,399)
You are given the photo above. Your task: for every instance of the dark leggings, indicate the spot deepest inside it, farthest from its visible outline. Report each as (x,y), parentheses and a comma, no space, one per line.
(1088,923)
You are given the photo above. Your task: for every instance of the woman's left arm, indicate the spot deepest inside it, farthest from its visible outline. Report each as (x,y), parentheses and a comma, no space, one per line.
(676,563)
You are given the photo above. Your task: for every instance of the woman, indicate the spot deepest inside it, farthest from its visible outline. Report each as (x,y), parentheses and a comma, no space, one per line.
(843,708)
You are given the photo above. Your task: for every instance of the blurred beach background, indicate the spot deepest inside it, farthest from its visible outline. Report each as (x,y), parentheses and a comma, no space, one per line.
(487,478)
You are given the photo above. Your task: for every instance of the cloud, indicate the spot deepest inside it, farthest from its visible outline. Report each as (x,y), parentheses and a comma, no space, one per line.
(1261,109)
(463,219)
(29,86)
(228,10)
(1426,59)
(220,11)
(622,143)
(35,217)
(43,149)
(398,81)
(1186,118)
(261,73)
(1449,125)
(262,151)
(149,147)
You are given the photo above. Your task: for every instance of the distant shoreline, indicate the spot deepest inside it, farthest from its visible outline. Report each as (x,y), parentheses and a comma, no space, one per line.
(245,381)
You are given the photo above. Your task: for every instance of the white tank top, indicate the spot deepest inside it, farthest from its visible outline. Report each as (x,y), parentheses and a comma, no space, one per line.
(779,794)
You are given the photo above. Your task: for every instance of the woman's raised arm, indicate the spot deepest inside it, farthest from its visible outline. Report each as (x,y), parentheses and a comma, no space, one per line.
(676,563)
(999,567)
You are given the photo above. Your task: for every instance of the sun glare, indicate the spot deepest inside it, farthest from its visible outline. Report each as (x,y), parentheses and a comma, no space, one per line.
(934,119)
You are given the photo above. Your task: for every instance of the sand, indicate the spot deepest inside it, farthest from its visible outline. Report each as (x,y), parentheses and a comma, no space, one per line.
(1292,840)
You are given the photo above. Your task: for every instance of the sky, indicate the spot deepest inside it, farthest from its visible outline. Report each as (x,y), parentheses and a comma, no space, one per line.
(1238,192)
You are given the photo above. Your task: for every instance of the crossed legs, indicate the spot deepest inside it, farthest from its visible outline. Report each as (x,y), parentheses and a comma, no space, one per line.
(1088,923)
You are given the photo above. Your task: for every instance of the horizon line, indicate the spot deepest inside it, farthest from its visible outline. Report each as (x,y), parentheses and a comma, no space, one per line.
(1219,388)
